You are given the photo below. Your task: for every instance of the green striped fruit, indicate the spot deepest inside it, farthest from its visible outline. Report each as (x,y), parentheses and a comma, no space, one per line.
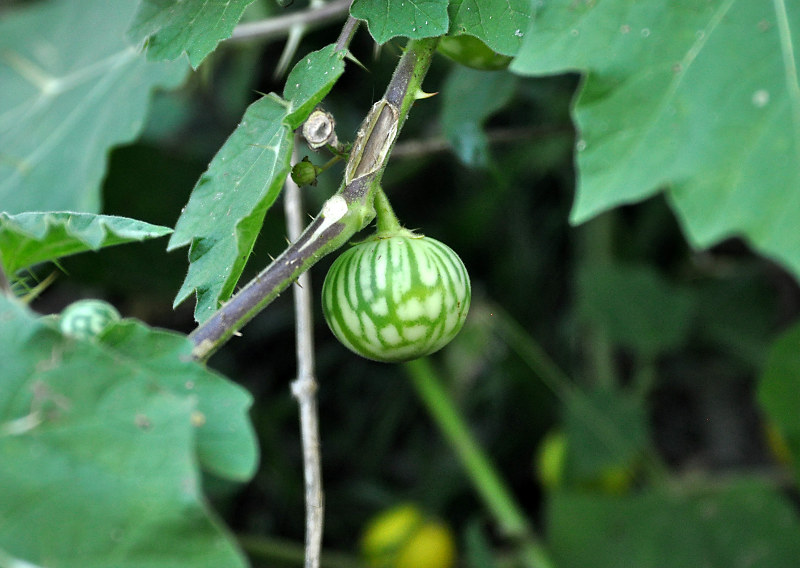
(85,319)
(396,298)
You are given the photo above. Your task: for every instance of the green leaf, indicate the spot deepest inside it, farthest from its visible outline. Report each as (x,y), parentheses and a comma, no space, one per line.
(29,238)
(172,27)
(737,313)
(72,88)
(225,440)
(605,429)
(470,97)
(779,389)
(413,19)
(310,80)
(636,306)
(243,181)
(91,432)
(746,523)
(227,207)
(501,24)
(665,103)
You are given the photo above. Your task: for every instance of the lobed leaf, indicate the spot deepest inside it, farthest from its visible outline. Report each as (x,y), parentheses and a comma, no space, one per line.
(501,24)
(701,99)
(227,206)
(470,97)
(72,87)
(605,429)
(110,432)
(413,19)
(29,238)
(172,27)
(745,523)
(226,443)
(636,307)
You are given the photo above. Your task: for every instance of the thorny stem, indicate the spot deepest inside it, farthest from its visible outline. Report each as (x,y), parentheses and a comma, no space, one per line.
(347,212)
(348,31)
(305,386)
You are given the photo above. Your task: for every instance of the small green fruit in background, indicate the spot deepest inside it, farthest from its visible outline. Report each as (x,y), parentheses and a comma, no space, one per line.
(403,537)
(472,52)
(551,459)
(396,298)
(85,319)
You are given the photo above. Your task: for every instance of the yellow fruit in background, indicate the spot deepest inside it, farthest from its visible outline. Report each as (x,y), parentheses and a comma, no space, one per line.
(777,444)
(403,537)
(614,481)
(551,458)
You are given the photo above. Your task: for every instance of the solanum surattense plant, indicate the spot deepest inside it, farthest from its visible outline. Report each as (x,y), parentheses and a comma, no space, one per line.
(144,416)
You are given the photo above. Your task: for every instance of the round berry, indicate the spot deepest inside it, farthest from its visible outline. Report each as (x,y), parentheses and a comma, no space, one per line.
(404,537)
(85,319)
(396,298)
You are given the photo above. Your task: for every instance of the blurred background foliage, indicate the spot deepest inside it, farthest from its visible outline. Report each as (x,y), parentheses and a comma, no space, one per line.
(662,344)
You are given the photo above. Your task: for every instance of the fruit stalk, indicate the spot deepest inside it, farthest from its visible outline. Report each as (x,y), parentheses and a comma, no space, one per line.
(344,214)
(387,221)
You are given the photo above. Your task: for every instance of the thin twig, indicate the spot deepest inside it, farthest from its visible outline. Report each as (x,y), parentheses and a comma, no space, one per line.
(279,26)
(420,147)
(304,388)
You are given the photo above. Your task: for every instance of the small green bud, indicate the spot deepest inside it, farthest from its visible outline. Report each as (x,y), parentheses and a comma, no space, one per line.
(305,173)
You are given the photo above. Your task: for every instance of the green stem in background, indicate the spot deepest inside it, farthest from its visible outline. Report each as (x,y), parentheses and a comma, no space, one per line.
(342,216)
(477,465)
(566,390)
(597,250)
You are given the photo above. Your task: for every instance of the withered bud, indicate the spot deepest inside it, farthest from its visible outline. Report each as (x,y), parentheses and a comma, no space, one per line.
(320,130)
